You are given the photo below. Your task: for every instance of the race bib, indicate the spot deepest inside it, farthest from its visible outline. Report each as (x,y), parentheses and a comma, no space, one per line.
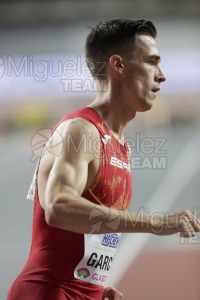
(100,250)
(31,191)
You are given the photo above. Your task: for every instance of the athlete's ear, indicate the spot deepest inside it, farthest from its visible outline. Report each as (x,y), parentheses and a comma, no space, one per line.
(115,63)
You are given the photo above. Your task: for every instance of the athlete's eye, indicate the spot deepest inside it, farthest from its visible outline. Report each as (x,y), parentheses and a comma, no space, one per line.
(152,62)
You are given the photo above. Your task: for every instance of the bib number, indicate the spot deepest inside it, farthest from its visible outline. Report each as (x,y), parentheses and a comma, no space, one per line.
(100,250)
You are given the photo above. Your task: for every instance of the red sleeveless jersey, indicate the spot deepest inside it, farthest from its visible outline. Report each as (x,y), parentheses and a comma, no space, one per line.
(50,270)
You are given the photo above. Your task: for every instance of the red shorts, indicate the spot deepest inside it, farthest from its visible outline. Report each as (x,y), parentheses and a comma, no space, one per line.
(22,290)
(33,291)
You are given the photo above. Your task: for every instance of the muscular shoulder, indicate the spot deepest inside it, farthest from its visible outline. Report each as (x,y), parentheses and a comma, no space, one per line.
(74,136)
(78,127)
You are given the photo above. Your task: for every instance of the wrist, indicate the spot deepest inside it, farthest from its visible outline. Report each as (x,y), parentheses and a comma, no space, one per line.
(164,223)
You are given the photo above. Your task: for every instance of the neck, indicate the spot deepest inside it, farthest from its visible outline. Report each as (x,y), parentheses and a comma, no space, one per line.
(110,106)
(110,116)
(114,116)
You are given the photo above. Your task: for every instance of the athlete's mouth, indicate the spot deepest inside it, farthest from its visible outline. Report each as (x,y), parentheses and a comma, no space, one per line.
(155,90)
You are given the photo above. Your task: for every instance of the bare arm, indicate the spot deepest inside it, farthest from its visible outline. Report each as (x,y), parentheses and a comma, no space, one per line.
(70,174)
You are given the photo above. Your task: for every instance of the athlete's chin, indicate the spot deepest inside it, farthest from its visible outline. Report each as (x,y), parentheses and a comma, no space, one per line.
(147,105)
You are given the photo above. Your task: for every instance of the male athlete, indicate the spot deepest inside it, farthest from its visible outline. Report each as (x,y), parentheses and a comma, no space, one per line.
(84,181)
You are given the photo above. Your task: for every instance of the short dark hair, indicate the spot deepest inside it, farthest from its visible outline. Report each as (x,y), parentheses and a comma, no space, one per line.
(113,37)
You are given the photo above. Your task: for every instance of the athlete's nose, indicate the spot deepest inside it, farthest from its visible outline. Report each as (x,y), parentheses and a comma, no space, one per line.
(160,76)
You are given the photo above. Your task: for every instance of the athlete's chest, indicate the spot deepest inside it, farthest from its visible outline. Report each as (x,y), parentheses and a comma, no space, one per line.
(112,185)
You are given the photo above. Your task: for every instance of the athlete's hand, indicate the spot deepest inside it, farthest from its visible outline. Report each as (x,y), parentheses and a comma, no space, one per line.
(185,222)
(110,293)
(189,224)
